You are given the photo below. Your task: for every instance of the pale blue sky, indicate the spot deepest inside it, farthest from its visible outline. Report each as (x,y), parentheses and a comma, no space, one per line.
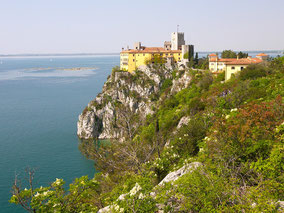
(77,26)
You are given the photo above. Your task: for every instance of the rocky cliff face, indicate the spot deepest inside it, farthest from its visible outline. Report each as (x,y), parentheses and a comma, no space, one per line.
(125,100)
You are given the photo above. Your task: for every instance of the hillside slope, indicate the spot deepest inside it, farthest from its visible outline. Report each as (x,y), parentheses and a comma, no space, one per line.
(188,142)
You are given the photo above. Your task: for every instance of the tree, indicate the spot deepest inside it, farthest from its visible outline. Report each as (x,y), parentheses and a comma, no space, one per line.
(203,63)
(186,55)
(156,59)
(228,54)
(242,55)
(253,71)
(191,62)
(196,58)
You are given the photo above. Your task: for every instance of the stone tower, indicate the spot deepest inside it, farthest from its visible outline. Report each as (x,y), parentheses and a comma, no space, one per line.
(177,40)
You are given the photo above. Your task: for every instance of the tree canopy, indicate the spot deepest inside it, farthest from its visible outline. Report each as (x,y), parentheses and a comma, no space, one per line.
(232,54)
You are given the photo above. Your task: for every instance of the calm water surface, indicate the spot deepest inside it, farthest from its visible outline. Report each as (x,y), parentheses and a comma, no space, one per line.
(40,100)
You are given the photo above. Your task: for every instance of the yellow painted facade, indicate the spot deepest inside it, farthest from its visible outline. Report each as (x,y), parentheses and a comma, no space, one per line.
(233,69)
(232,65)
(131,60)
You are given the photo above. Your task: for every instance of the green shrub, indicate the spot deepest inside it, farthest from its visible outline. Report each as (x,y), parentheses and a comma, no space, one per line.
(166,84)
(253,72)
(206,80)
(188,136)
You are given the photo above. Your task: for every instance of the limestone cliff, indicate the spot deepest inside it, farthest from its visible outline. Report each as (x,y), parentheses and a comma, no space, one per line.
(125,100)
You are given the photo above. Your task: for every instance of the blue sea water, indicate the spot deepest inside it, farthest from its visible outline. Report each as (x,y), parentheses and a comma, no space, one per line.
(40,100)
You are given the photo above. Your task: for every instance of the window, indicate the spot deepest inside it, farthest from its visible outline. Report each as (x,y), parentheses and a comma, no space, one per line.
(133,60)
(233,68)
(212,63)
(133,54)
(143,54)
(242,68)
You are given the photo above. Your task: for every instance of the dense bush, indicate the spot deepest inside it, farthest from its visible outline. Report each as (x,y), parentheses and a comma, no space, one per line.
(253,72)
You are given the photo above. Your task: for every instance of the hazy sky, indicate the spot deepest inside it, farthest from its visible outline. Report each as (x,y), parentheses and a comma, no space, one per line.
(77,26)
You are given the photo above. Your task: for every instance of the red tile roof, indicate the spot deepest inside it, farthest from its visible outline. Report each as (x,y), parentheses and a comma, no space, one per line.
(245,61)
(235,61)
(213,54)
(222,59)
(262,54)
(152,50)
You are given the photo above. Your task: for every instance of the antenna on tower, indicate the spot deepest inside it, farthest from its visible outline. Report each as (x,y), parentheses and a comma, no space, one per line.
(177,28)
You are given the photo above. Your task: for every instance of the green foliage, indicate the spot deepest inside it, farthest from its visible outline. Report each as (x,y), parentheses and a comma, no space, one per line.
(156,59)
(220,77)
(136,200)
(237,139)
(228,54)
(203,191)
(185,56)
(189,136)
(253,72)
(166,84)
(202,63)
(191,62)
(242,55)
(278,64)
(55,199)
(206,81)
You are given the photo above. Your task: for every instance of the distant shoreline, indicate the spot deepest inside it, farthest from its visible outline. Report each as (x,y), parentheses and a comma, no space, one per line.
(56,55)
(96,54)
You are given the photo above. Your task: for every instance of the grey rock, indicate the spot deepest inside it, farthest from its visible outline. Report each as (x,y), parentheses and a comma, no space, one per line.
(181,83)
(173,176)
(183,121)
(134,96)
(106,209)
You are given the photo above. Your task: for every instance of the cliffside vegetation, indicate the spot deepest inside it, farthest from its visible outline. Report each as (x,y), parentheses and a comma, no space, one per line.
(234,128)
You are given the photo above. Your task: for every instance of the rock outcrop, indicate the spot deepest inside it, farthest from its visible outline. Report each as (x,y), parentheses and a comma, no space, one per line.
(171,177)
(125,100)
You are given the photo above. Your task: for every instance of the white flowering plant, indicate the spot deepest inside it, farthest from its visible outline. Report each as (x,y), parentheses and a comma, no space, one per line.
(137,199)
(55,198)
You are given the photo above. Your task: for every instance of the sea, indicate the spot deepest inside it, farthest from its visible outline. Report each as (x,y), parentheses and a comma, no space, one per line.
(40,101)
(41,98)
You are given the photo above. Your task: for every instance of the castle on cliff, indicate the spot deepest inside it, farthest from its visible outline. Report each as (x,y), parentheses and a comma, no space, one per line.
(174,51)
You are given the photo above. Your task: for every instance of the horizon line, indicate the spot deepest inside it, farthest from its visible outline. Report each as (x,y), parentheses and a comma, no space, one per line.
(117,53)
